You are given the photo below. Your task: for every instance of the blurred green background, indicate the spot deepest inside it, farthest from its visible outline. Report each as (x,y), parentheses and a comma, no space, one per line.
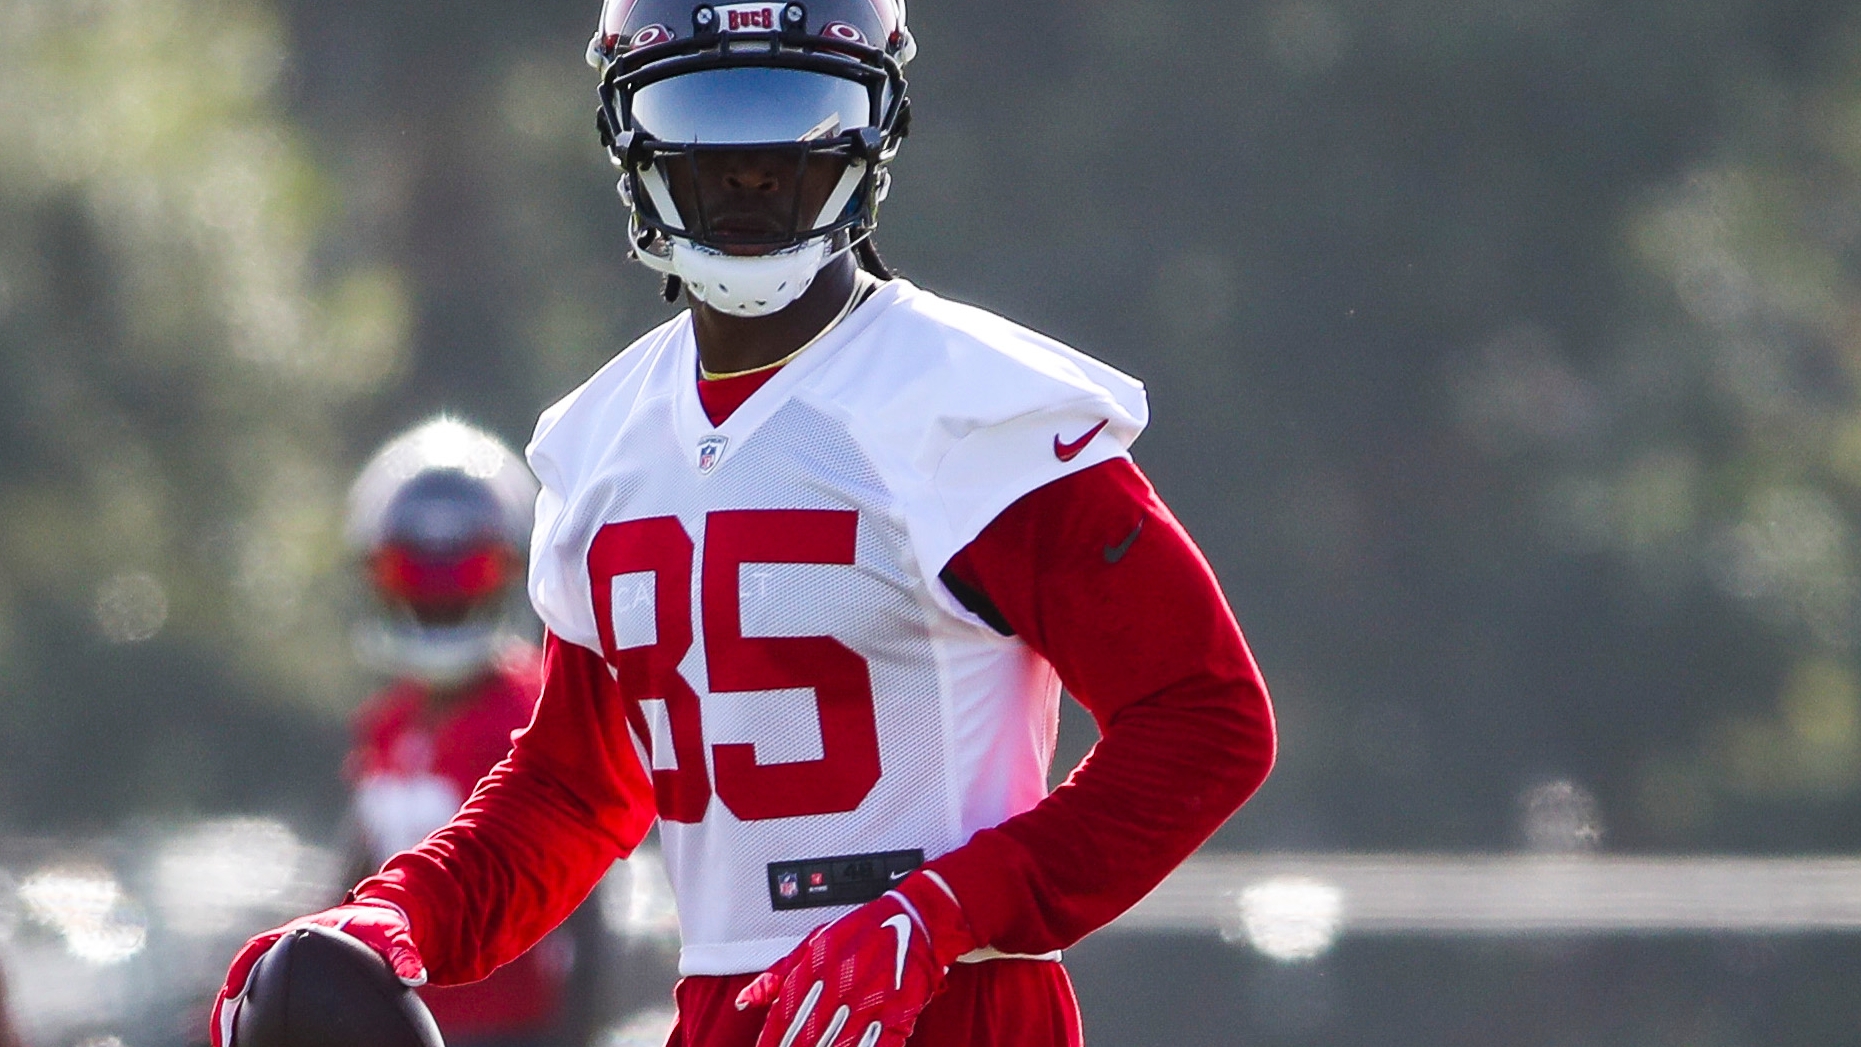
(1503,357)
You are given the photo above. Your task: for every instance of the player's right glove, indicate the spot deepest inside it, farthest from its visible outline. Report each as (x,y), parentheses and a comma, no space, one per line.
(861,980)
(380,926)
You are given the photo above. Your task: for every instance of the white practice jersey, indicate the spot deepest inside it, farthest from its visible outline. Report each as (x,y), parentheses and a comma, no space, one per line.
(819,713)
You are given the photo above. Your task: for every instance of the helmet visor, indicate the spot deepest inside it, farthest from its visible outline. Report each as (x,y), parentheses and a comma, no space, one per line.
(442,587)
(750,105)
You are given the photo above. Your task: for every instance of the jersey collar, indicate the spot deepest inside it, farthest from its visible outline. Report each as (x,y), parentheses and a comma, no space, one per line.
(708,447)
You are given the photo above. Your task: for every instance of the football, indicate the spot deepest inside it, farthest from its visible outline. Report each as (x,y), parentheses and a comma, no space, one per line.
(319,988)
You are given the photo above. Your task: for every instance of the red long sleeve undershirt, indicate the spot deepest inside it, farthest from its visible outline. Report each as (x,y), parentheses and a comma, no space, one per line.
(1093,572)
(536,834)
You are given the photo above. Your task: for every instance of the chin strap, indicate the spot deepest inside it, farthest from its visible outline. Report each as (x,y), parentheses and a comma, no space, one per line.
(868,254)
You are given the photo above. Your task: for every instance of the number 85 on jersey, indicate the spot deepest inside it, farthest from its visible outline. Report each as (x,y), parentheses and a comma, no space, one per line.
(626,560)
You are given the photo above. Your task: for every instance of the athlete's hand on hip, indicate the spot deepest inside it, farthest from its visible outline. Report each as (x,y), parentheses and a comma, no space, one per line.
(380,926)
(861,980)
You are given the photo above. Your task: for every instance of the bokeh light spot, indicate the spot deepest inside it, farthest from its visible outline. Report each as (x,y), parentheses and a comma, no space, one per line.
(648,1028)
(131,607)
(1307,38)
(1560,817)
(88,908)
(207,876)
(1292,918)
(636,898)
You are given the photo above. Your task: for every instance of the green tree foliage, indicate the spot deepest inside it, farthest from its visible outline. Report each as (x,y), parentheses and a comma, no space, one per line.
(178,367)
(1710,440)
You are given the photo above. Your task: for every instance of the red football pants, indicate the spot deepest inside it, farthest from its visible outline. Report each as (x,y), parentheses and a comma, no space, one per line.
(998,1003)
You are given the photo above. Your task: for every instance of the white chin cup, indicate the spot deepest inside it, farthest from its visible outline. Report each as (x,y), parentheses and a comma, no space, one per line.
(439,656)
(740,285)
(748,285)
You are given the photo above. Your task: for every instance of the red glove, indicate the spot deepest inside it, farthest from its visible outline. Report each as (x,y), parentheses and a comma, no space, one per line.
(379,925)
(861,980)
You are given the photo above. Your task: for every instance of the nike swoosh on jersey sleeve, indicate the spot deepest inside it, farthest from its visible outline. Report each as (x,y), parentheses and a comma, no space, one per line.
(1066,452)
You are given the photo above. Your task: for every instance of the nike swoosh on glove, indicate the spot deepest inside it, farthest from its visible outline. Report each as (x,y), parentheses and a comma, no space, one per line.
(861,980)
(380,926)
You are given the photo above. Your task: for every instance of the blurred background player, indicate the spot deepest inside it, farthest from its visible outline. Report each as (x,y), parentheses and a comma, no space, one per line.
(439,519)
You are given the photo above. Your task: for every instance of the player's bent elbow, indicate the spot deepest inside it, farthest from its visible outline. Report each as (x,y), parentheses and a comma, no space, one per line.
(1253,745)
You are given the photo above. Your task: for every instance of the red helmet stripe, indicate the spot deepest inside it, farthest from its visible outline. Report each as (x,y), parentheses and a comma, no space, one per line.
(405,576)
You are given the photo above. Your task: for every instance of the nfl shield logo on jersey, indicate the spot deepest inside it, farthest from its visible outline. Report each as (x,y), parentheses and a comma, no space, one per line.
(710,449)
(788,885)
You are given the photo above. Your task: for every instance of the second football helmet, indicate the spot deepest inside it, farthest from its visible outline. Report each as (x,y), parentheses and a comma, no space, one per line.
(816,89)
(441,519)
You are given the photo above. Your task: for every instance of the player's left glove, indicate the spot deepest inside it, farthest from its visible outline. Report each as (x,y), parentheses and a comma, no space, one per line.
(861,980)
(378,925)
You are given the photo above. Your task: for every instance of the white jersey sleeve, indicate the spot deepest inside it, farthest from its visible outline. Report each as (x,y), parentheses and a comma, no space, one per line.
(976,411)
(565,452)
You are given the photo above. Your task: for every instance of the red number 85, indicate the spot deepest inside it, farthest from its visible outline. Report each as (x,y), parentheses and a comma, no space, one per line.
(840,679)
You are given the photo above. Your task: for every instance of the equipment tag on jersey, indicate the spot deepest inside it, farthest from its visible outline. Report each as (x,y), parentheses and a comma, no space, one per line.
(848,879)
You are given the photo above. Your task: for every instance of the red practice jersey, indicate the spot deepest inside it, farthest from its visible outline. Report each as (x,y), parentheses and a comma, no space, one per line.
(411,767)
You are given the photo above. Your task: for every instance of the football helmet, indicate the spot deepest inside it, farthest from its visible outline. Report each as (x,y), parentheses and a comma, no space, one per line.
(815,90)
(440,518)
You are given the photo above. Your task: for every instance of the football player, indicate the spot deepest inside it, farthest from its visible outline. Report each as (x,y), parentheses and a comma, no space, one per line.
(439,520)
(816,558)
